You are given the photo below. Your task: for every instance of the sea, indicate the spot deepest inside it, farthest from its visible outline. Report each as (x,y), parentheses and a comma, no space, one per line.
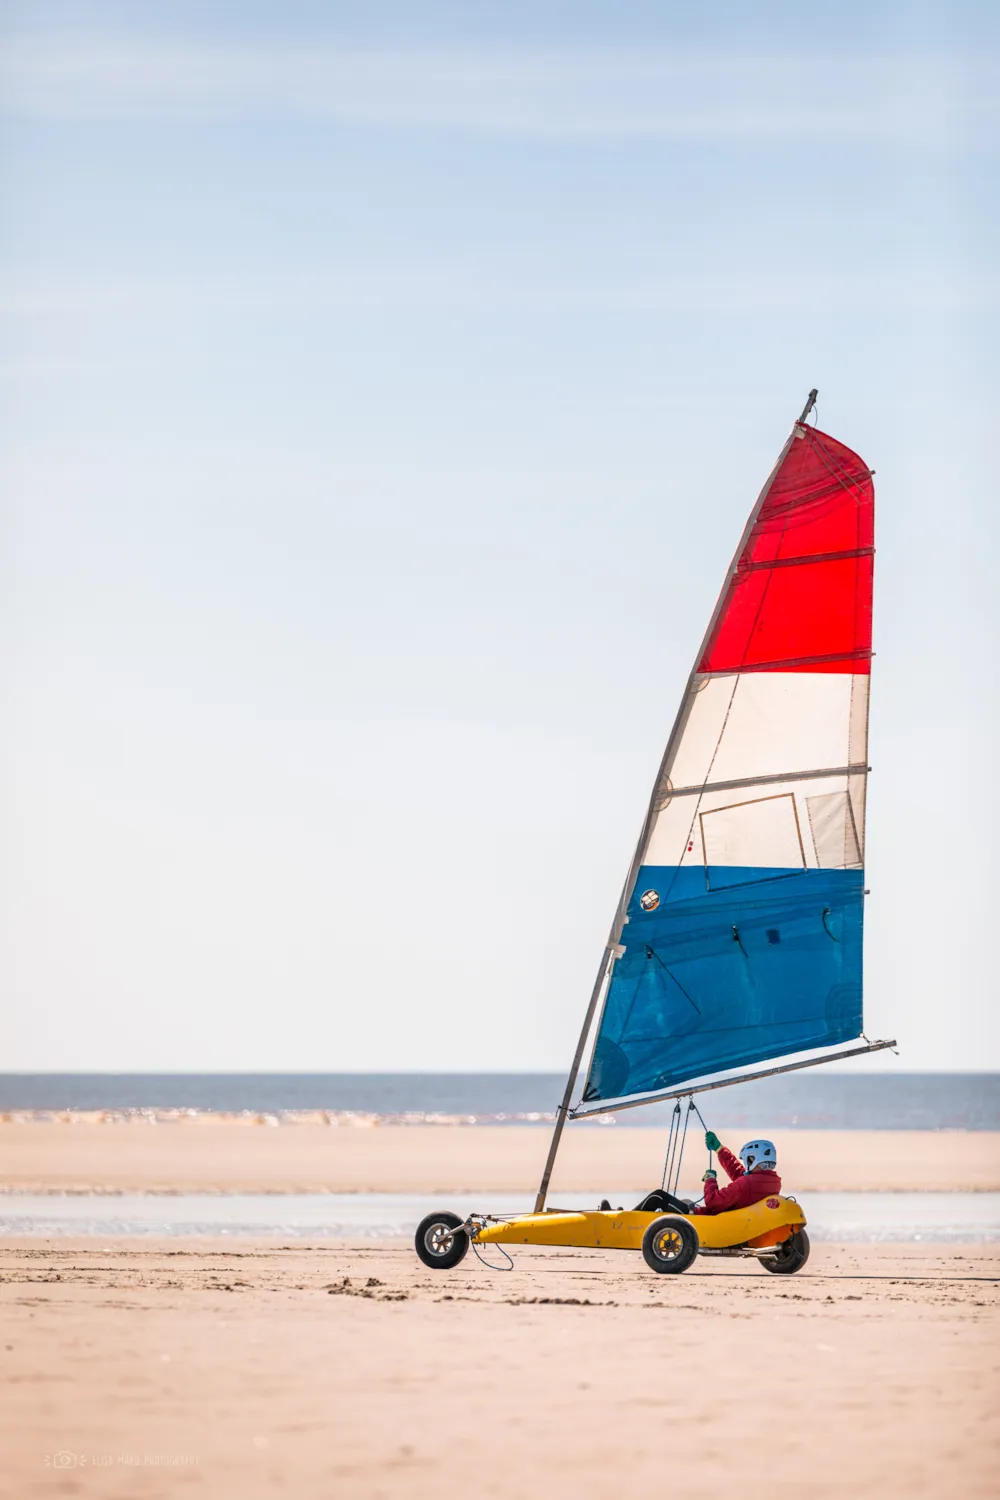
(807,1101)
(810,1100)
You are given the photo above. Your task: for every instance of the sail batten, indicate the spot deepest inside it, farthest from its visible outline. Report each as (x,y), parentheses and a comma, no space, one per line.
(768,780)
(739,938)
(796,663)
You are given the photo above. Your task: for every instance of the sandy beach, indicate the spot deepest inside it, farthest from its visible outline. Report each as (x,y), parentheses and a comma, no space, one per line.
(188,1368)
(212,1155)
(148,1369)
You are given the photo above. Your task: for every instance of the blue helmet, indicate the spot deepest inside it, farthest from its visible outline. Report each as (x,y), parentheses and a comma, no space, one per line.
(757,1155)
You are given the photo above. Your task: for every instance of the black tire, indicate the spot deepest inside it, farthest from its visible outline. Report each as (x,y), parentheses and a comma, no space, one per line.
(789,1256)
(437,1230)
(670,1244)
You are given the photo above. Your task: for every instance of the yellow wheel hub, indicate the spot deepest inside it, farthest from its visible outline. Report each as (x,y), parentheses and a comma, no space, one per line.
(668,1244)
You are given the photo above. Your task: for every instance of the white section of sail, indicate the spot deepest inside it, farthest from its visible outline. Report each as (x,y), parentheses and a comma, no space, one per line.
(806,824)
(766,723)
(769,771)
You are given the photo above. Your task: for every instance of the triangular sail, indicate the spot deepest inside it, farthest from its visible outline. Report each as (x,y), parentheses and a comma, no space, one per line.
(741,932)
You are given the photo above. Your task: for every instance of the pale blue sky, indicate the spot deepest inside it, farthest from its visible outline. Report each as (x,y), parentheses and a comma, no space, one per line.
(384,389)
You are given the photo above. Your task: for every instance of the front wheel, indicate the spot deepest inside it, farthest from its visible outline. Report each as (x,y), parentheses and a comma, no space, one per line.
(789,1256)
(670,1244)
(440,1241)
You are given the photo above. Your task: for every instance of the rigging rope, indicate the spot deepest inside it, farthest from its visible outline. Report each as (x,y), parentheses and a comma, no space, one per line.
(676,1141)
(671,1142)
(680,1154)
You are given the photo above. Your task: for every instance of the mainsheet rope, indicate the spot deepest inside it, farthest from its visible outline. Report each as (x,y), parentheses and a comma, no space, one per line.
(676,1141)
(671,1144)
(680,1154)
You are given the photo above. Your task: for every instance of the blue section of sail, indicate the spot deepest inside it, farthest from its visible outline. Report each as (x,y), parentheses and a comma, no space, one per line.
(731,966)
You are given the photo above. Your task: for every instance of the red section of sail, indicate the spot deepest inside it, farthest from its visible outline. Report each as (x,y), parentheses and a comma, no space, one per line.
(801,597)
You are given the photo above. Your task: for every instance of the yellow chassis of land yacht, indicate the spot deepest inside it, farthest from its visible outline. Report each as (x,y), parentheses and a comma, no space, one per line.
(773,1231)
(755,1227)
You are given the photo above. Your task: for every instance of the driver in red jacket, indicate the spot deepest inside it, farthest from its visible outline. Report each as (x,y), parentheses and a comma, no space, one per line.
(753,1176)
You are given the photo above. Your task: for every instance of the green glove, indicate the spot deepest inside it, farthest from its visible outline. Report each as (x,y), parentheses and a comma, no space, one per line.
(711,1173)
(712,1140)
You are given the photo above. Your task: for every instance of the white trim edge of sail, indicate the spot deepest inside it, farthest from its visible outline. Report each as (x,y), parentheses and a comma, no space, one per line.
(705,1082)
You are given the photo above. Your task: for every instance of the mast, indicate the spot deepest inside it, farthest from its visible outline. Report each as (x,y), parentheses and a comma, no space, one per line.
(612,948)
(562,1112)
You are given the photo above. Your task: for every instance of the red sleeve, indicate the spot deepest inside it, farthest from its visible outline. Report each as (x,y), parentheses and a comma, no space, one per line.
(731,1163)
(712,1193)
(717,1199)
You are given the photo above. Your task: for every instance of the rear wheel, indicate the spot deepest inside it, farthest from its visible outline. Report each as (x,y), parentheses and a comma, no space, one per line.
(789,1256)
(670,1244)
(440,1241)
